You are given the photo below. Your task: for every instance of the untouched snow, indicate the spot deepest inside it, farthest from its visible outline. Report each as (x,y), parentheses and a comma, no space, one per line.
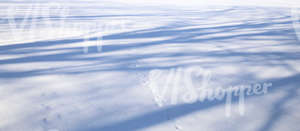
(102,66)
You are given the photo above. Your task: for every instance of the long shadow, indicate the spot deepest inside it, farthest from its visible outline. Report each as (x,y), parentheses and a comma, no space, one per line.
(175,35)
(177,111)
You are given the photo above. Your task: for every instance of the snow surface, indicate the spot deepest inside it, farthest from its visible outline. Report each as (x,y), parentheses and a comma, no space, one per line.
(55,78)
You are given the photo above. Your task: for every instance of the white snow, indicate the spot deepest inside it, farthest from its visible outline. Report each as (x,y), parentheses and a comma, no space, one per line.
(103,65)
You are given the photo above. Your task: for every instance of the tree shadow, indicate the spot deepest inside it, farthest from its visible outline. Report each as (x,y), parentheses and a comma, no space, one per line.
(177,111)
(185,34)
